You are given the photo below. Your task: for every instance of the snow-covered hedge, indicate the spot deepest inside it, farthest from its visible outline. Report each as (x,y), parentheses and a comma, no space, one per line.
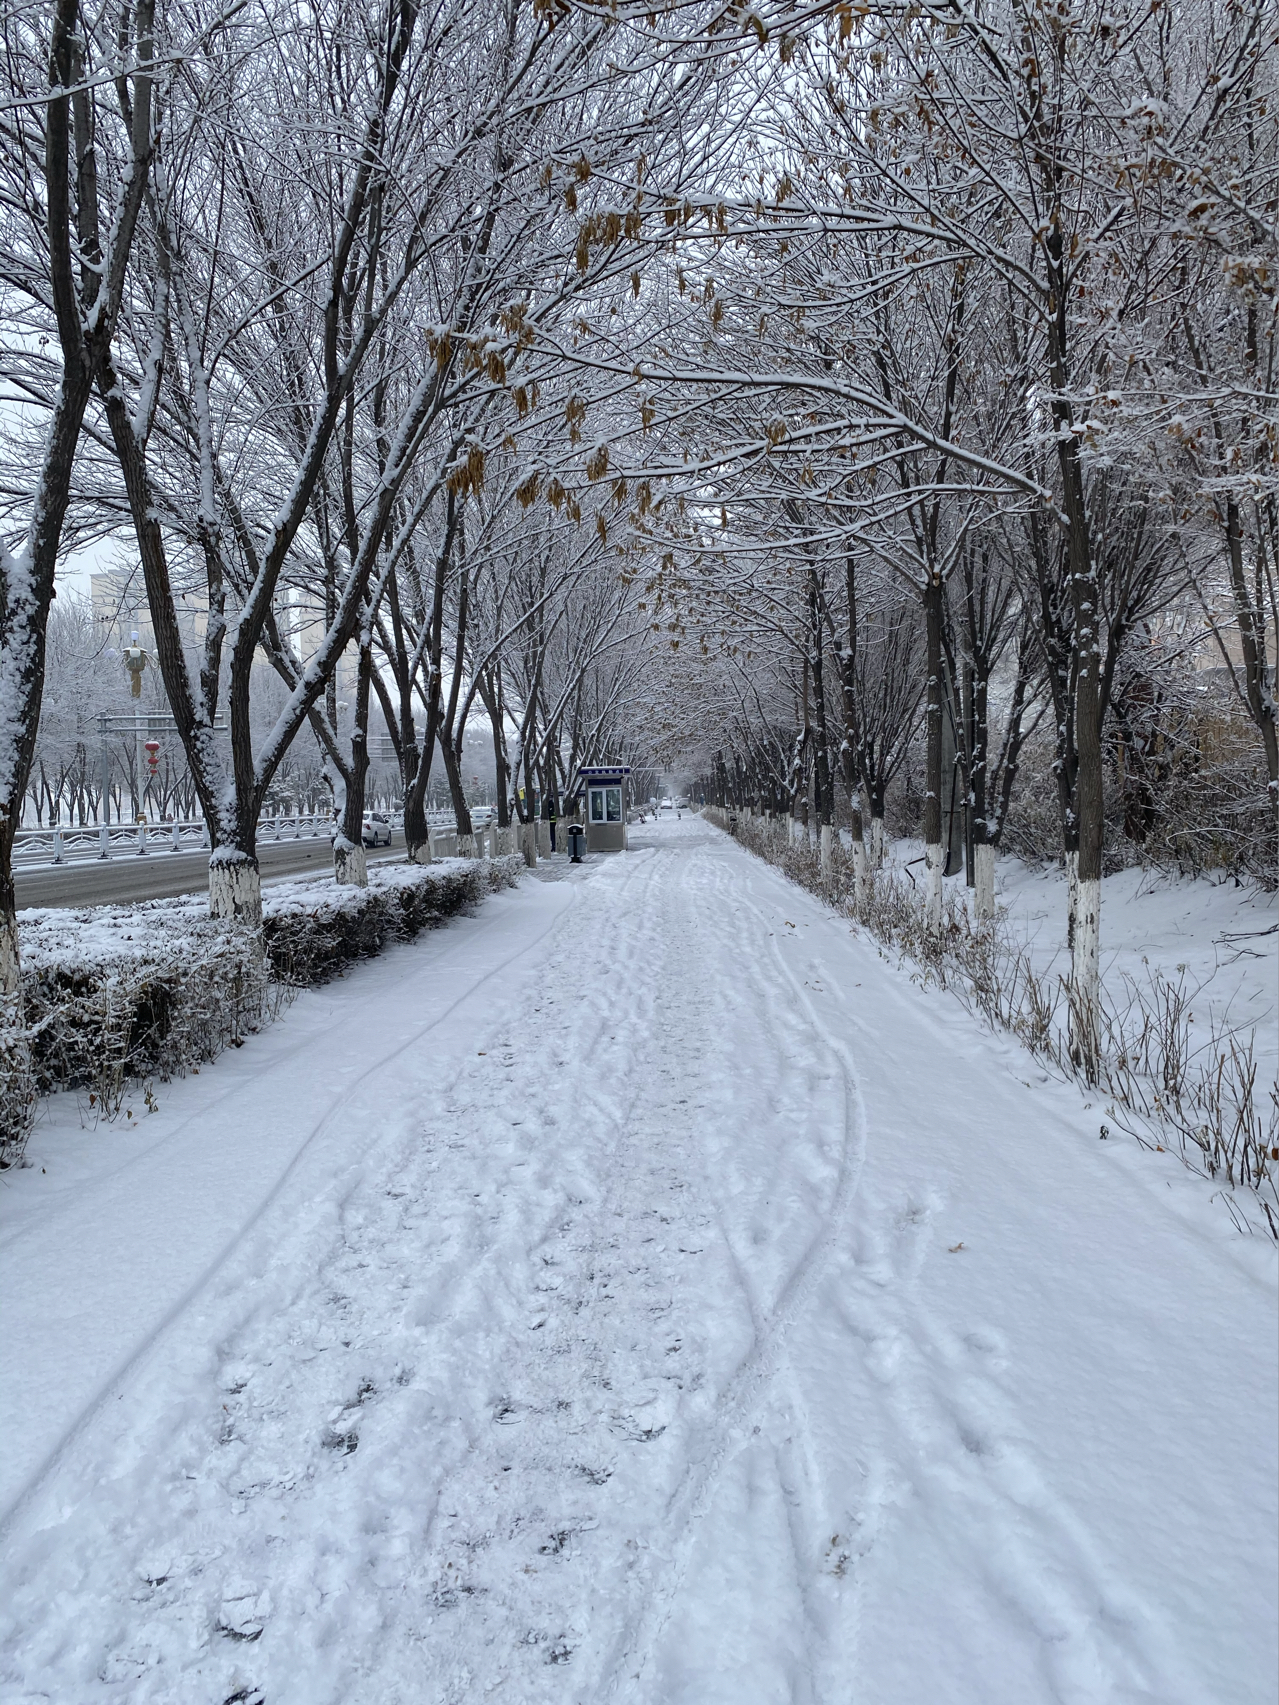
(313,929)
(111,992)
(150,990)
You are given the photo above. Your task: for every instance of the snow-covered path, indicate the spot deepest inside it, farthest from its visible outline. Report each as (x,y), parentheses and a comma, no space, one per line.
(641,1291)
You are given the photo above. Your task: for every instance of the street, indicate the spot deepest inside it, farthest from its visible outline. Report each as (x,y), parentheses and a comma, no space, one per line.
(158,874)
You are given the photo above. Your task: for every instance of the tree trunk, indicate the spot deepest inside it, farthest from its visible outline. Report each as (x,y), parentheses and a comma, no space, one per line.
(528,831)
(490,685)
(973,765)
(350,863)
(822,774)
(1258,692)
(983,853)
(984,881)
(826,849)
(17,1093)
(934,851)
(876,792)
(350,867)
(850,748)
(417,836)
(858,846)
(453,730)
(86,312)
(457,792)
(954,816)
(10,966)
(803,759)
(235,886)
(1085,966)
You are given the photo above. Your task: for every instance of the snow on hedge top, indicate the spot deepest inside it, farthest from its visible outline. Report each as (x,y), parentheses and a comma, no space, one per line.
(149,929)
(155,929)
(321,894)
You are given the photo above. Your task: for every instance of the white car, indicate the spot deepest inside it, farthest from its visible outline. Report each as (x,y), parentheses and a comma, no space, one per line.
(376,830)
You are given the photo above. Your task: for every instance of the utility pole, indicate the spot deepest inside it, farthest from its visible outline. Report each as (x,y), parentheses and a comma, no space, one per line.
(104,809)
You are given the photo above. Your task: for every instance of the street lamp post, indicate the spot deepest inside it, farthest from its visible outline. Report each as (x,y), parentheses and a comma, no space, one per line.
(135,661)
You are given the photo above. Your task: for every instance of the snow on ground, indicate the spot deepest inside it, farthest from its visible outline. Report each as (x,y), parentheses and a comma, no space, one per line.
(1221,934)
(640,1290)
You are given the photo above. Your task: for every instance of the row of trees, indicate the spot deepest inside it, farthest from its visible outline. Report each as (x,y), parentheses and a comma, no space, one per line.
(866,356)
(275,286)
(969,395)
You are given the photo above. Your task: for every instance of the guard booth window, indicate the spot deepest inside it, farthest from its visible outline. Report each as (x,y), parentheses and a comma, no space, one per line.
(606,804)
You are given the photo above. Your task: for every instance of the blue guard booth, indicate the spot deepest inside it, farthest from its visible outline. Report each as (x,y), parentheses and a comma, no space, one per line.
(605,787)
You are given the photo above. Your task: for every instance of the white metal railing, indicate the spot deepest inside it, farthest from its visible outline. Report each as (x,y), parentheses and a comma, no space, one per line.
(64,843)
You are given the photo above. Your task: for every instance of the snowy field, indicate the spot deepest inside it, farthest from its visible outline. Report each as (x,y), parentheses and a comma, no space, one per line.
(1216,936)
(641,1290)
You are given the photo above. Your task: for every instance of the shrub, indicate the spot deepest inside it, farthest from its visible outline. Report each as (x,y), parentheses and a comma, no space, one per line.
(311,932)
(114,993)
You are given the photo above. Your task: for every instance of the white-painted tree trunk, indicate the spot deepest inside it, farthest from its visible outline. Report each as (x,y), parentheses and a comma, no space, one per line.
(1072,897)
(1085,979)
(421,854)
(528,839)
(827,849)
(859,872)
(877,843)
(10,965)
(235,889)
(543,838)
(934,865)
(350,867)
(984,882)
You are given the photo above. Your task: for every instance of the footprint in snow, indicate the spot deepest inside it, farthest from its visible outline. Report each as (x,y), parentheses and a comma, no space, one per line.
(244,1610)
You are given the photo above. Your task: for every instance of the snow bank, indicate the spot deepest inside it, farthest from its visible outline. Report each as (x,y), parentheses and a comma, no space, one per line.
(150,990)
(1218,933)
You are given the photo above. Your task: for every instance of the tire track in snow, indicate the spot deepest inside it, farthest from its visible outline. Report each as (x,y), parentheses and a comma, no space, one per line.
(605,1234)
(284,1050)
(755,1375)
(359,1236)
(945,1426)
(947,1433)
(592,1243)
(184,1303)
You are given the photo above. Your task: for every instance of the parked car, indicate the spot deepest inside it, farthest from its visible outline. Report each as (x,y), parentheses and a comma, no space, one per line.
(376,830)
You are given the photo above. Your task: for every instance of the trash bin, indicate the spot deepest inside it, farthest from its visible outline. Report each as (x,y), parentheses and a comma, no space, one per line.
(576,842)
